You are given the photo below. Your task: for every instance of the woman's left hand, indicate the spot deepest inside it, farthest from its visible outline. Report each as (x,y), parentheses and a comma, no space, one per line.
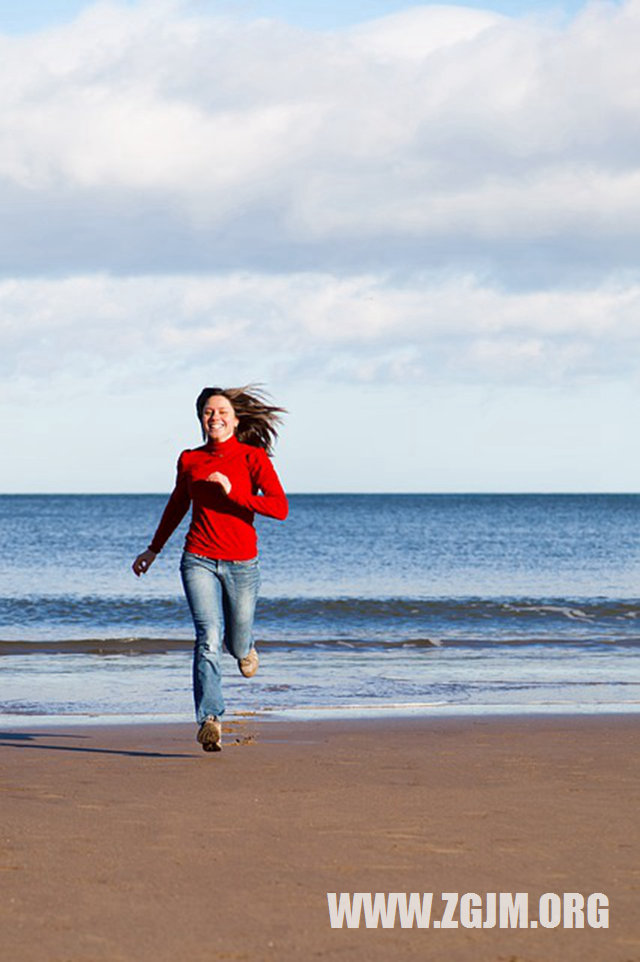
(222,480)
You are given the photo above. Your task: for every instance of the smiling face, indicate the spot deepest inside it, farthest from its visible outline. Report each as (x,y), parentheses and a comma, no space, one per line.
(219,420)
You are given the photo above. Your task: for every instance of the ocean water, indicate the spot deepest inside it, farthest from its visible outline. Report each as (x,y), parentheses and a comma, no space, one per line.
(370,603)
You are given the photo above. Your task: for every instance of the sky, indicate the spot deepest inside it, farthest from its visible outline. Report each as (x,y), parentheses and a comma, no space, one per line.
(417,226)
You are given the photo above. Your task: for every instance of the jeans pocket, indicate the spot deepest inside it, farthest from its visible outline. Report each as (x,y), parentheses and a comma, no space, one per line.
(191,560)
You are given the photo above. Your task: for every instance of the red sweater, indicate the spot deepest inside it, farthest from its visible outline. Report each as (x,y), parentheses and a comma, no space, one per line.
(222,525)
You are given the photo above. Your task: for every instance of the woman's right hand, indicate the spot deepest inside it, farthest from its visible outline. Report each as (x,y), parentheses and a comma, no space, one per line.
(143,562)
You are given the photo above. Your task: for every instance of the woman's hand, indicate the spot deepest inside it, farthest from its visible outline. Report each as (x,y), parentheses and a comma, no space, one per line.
(222,480)
(143,562)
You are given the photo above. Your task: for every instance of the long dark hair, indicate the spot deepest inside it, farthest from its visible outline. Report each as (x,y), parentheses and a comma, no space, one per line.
(258,417)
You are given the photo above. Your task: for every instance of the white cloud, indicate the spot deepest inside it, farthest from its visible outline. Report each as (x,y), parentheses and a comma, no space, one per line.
(148,139)
(445,192)
(362,327)
(417,32)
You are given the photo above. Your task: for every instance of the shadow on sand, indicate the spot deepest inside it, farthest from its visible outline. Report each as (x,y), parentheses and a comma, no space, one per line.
(26,739)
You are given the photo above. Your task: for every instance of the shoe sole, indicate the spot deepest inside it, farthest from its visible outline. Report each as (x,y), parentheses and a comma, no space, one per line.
(251,669)
(210,738)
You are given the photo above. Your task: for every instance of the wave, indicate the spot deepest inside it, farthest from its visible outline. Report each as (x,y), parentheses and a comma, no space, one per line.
(153,625)
(39,607)
(154,646)
(159,646)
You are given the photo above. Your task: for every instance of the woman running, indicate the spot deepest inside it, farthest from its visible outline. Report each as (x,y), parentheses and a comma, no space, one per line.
(228,479)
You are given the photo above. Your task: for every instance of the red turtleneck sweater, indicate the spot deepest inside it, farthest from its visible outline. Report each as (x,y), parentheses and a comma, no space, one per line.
(222,525)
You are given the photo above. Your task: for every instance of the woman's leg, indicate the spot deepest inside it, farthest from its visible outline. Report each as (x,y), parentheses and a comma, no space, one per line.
(202,586)
(241,582)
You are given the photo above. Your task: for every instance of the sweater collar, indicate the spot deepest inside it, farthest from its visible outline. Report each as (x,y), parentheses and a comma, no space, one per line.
(222,447)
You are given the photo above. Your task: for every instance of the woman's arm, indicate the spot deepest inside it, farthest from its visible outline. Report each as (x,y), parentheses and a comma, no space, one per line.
(175,510)
(273,501)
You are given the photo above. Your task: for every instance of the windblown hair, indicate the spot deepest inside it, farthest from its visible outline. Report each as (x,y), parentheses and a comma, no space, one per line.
(258,417)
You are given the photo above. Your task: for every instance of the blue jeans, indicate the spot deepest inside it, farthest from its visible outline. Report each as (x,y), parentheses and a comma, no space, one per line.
(222,597)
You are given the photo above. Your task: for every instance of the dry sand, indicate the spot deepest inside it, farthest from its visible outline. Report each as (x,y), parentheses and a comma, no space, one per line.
(130,844)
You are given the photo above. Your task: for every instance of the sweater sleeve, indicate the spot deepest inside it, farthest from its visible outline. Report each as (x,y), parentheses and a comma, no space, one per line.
(273,501)
(175,510)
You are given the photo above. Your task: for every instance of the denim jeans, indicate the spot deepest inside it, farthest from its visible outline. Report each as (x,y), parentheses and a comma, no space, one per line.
(222,597)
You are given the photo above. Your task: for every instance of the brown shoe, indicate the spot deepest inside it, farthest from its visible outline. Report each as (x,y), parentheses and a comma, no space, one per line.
(210,734)
(248,666)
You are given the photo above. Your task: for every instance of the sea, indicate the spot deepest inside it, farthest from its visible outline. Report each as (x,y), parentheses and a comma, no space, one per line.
(428,604)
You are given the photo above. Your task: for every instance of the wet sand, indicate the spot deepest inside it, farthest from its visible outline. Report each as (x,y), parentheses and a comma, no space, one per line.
(130,844)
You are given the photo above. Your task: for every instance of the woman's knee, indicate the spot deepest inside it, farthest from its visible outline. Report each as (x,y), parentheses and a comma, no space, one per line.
(208,639)
(238,639)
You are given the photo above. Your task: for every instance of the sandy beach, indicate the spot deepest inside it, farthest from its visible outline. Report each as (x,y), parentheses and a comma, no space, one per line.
(123,843)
